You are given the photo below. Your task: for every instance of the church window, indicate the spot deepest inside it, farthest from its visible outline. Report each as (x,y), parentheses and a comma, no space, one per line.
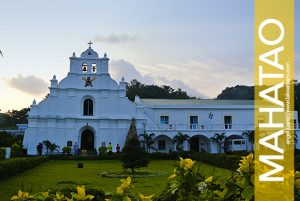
(94,68)
(193,122)
(228,122)
(164,120)
(88,107)
(84,67)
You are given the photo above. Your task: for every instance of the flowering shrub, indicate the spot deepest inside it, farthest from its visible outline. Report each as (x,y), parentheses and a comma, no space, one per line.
(47,196)
(188,184)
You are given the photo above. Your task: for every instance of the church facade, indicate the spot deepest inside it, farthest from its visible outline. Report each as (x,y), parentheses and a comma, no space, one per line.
(90,109)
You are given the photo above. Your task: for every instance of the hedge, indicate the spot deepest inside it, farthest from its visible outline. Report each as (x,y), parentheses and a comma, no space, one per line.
(107,156)
(226,161)
(170,156)
(13,166)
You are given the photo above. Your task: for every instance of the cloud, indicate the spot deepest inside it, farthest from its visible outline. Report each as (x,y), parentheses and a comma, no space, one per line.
(207,77)
(120,68)
(177,84)
(115,39)
(30,84)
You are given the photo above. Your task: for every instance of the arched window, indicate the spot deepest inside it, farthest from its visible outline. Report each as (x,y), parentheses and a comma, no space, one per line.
(88,107)
(84,67)
(94,68)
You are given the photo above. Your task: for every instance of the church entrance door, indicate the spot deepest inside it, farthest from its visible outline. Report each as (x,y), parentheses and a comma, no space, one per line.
(194,144)
(87,139)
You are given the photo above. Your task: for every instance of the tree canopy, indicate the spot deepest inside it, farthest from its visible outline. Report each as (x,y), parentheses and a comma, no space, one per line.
(153,91)
(11,118)
(241,92)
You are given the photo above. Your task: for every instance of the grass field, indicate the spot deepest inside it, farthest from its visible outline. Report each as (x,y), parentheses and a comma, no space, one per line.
(65,173)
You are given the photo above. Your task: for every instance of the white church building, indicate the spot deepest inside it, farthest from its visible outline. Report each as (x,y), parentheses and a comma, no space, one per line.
(90,109)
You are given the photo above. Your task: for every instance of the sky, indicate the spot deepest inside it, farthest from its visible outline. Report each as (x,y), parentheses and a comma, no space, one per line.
(200,46)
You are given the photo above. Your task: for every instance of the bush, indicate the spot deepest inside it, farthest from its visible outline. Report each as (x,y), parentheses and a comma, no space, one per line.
(2,152)
(13,166)
(7,140)
(226,161)
(297,158)
(133,156)
(102,150)
(66,150)
(159,156)
(16,150)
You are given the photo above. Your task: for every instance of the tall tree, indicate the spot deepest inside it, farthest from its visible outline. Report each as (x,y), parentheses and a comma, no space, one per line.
(220,140)
(147,141)
(179,140)
(133,156)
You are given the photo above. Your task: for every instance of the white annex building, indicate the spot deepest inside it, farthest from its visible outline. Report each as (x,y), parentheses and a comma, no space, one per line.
(91,109)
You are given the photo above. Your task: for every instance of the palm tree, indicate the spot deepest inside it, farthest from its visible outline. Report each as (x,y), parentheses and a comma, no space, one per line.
(250,137)
(47,144)
(220,140)
(53,147)
(147,140)
(179,139)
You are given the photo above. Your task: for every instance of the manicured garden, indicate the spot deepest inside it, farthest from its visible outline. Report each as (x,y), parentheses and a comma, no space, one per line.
(64,173)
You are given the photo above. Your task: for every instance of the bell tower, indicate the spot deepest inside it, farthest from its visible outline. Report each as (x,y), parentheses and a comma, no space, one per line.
(89,63)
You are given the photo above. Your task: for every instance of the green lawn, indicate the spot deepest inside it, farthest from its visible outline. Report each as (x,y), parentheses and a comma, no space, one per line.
(65,173)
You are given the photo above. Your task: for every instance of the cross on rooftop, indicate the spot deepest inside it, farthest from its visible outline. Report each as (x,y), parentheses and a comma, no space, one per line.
(90,43)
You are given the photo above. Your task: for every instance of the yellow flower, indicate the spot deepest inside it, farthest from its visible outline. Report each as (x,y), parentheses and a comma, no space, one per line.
(22,196)
(126,182)
(59,197)
(209,179)
(246,164)
(126,198)
(80,195)
(172,176)
(42,196)
(146,198)
(186,164)
(120,190)
(107,199)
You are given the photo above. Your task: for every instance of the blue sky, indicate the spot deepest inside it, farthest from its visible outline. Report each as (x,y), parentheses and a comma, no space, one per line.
(201,46)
